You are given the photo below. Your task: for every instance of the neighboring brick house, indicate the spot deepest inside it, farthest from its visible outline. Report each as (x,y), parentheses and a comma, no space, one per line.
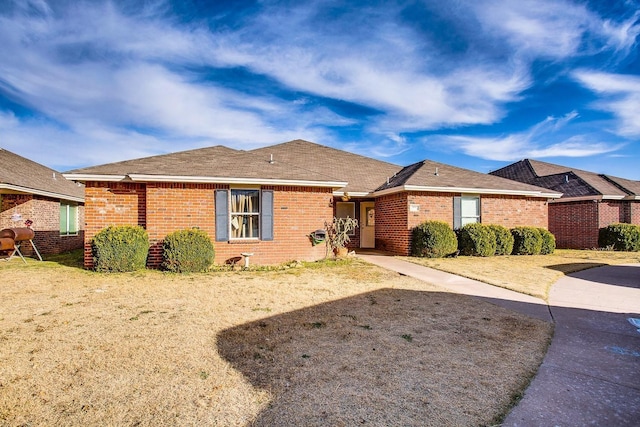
(589,202)
(31,191)
(268,201)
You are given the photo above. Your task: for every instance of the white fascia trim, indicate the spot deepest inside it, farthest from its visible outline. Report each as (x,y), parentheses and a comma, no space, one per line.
(226,180)
(42,193)
(469,191)
(90,177)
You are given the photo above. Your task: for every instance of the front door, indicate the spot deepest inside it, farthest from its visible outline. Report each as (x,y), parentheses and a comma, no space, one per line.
(367,225)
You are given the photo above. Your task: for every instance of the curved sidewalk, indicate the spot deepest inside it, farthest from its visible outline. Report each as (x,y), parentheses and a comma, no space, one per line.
(591,372)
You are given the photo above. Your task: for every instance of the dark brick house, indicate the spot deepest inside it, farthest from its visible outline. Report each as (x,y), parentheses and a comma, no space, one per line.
(55,205)
(267,201)
(589,202)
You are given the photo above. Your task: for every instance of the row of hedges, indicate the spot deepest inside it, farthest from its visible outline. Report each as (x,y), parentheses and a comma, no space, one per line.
(435,239)
(620,237)
(125,248)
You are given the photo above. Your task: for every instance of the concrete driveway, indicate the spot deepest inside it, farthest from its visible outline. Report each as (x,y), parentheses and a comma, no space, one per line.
(591,373)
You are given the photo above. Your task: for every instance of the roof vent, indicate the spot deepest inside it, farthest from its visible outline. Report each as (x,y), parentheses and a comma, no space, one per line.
(271,161)
(54,175)
(436,174)
(566,178)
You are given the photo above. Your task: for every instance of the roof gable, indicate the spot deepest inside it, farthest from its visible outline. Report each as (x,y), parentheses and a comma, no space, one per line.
(19,174)
(570,181)
(428,175)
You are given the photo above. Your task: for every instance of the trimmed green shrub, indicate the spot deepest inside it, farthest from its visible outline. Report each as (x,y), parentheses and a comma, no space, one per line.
(548,242)
(476,239)
(623,237)
(504,239)
(120,248)
(433,239)
(526,241)
(187,251)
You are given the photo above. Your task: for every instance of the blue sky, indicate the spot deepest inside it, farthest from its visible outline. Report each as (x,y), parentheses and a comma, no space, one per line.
(476,84)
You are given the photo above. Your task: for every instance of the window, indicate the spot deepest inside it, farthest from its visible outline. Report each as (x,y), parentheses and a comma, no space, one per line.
(466,210)
(244,214)
(346,209)
(68,219)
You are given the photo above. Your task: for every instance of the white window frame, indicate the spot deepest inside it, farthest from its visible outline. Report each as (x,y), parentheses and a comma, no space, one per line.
(469,219)
(233,216)
(66,209)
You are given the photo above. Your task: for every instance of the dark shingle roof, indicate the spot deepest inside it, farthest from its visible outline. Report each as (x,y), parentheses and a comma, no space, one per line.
(569,181)
(20,174)
(207,163)
(363,174)
(433,175)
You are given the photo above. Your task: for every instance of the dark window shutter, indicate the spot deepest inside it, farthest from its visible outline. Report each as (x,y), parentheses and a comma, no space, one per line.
(267,215)
(457,212)
(222,215)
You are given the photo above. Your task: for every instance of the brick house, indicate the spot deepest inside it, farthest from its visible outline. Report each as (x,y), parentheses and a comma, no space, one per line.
(269,200)
(31,191)
(589,202)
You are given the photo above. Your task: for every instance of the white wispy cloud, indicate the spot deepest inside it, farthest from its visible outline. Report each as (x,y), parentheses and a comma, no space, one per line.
(388,66)
(620,95)
(532,143)
(554,29)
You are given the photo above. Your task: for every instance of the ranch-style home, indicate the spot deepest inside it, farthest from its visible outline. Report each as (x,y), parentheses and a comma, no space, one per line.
(41,197)
(268,201)
(589,202)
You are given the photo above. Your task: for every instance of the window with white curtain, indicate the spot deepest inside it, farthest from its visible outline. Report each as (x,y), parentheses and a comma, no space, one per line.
(245,214)
(466,210)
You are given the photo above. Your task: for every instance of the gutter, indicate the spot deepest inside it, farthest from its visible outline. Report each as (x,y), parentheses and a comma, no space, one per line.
(468,190)
(50,194)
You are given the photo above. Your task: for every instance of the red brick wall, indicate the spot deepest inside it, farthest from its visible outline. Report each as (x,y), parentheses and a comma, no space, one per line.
(612,212)
(109,203)
(634,212)
(166,207)
(45,214)
(514,211)
(576,224)
(392,230)
(174,206)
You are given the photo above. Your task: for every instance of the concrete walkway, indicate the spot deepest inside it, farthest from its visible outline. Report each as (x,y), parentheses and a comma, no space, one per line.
(591,373)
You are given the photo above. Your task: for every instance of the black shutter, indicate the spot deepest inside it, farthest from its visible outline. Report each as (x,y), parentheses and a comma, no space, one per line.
(222,215)
(266,219)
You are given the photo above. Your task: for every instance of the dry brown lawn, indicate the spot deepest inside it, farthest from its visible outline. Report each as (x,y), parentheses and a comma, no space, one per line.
(340,344)
(532,275)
